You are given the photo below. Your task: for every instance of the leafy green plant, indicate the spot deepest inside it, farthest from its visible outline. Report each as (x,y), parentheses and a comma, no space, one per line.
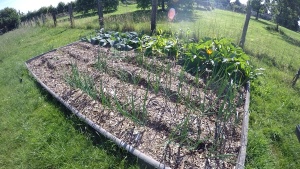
(161,46)
(212,54)
(121,41)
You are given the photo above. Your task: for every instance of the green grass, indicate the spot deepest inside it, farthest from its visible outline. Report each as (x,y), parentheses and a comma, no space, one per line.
(36,132)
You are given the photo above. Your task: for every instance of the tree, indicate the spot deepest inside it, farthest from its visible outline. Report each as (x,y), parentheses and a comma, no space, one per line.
(286,13)
(86,5)
(256,6)
(61,7)
(237,6)
(9,19)
(41,11)
(53,12)
(146,4)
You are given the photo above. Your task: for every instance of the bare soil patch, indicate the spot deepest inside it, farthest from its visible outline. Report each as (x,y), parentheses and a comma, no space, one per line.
(167,113)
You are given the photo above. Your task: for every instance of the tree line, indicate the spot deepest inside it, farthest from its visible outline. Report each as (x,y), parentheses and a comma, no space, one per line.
(284,12)
(10,18)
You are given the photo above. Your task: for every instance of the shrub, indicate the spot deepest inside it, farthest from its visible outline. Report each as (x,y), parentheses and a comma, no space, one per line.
(9,19)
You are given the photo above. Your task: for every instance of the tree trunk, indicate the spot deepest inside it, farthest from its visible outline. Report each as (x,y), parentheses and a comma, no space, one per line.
(43,19)
(100,14)
(278,20)
(163,5)
(153,16)
(71,15)
(243,39)
(257,14)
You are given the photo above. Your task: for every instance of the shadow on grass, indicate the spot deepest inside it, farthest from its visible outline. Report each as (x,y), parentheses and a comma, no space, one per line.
(93,13)
(85,15)
(97,139)
(145,16)
(290,40)
(260,21)
(270,61)
(284,36)
(263,57)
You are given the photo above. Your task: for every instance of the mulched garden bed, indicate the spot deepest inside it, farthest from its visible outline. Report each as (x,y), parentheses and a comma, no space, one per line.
(147,104)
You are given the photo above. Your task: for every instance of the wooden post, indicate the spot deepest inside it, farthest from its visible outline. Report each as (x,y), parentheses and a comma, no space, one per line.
(243,39)
(71,15)
(54,18)
(296,78)
(163,5)
(153,16)
(43,19)
(100,14)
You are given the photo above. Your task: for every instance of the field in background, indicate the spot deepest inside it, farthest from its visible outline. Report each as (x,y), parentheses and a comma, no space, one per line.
(36,132)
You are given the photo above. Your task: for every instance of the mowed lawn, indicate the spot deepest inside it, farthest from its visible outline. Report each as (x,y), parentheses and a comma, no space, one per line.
(37,132)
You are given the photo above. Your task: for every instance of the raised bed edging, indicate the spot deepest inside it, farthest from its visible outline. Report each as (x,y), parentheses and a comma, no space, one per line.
(156,164)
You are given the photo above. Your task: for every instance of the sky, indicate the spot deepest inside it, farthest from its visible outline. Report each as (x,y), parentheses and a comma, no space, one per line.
(29,5)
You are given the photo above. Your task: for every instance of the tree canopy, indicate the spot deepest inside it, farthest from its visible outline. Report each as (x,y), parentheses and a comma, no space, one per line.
(9,19)
(286,13)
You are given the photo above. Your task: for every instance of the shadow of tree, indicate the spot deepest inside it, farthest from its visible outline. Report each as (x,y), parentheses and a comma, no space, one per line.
(290,40)
(284,36)
(145,16)
(271,61)
(260,21)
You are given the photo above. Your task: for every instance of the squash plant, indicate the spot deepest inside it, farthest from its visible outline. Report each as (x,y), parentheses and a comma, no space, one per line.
(218,55)
(161,46)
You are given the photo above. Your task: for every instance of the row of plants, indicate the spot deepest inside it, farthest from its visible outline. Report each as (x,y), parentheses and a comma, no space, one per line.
(222,106)
(200,56)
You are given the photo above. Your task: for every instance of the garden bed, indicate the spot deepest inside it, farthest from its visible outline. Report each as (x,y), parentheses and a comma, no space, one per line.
(148,105)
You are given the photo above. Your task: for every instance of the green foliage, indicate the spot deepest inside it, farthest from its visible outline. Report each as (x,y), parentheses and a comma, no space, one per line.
(257,5)
(9,19)
(216,54)
(186,5)
(120,41)
(146,4)
(286,13)
(143,4)
(61,7)
(161,46)
(237,6)
(86,5)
